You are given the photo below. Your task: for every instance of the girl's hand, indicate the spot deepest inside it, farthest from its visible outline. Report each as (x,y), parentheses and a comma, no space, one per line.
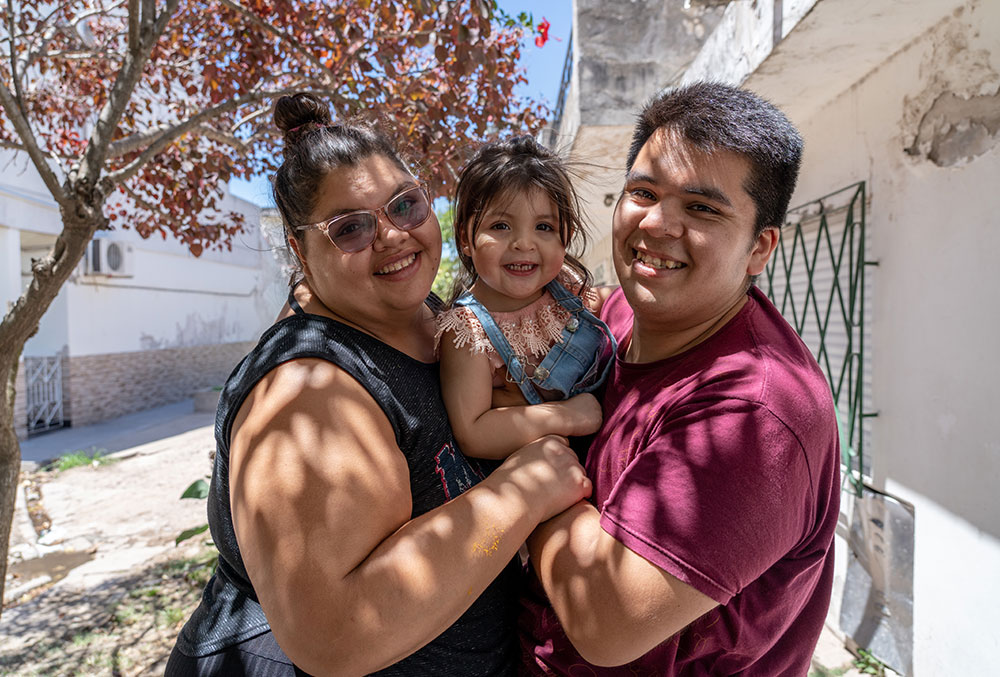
(548,475)
(582,414)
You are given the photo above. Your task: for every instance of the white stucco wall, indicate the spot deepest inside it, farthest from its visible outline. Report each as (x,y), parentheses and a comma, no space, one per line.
(10,267)
(173,300)
(935,232)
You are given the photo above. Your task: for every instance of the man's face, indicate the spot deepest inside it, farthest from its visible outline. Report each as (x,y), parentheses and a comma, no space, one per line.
(683,235)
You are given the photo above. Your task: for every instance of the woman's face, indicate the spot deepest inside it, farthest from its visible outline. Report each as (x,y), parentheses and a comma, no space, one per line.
(387,280)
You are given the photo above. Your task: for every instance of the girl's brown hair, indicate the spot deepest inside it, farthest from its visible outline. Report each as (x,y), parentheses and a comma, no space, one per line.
(503,168)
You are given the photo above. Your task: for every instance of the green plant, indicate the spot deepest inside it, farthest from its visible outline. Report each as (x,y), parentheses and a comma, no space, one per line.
(91,456)
(450,265)
(197,489)
(82,639)
(173,615)
(867,664)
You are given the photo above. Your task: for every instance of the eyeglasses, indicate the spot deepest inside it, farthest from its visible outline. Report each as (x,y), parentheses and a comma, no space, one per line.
(357,230)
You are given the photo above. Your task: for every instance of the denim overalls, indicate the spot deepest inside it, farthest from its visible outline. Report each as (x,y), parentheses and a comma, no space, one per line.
(577,364)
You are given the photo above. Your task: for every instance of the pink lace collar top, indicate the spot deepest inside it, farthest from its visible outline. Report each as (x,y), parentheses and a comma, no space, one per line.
(531,330)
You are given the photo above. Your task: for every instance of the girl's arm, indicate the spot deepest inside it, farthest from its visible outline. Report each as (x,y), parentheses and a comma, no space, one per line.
(483,432)
(321,505)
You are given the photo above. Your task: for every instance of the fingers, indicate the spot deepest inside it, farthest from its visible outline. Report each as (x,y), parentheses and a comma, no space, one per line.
(556,476)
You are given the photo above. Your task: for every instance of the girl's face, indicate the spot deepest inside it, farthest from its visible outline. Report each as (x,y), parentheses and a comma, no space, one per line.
(383,283)
(516,250)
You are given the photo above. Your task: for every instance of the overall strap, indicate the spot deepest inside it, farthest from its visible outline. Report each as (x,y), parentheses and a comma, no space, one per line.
(514,367)
(566,299)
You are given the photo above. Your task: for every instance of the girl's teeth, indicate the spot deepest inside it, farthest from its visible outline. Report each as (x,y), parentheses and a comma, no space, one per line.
(521,267)
(398,265)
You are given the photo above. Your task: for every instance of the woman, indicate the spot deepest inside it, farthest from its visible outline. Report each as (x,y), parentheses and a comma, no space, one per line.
(352,532)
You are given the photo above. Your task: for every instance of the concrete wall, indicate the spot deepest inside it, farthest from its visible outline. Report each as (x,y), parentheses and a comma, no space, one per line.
(628,50)
(10,267)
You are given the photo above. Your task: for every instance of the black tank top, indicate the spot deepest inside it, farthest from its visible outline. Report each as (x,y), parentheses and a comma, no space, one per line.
(482,641)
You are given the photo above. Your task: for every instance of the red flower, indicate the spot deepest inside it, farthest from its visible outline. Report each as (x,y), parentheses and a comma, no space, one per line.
(543,33)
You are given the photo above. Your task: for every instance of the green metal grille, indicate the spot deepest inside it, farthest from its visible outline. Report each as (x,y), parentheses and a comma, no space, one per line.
(816,278)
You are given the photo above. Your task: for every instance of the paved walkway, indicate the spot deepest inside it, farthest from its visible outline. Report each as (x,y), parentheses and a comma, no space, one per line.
(113,519)
(117,434)
(108,522)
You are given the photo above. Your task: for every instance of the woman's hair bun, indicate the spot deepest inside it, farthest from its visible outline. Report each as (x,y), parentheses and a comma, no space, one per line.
(299,113)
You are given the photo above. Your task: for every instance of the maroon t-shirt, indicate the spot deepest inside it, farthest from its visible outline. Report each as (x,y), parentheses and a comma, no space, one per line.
(720,466)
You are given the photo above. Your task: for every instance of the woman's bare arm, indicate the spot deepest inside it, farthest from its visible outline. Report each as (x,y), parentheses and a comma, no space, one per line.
(321,506)
(485,432)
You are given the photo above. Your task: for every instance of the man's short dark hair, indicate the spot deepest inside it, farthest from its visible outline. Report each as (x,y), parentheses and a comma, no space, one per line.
(713,116)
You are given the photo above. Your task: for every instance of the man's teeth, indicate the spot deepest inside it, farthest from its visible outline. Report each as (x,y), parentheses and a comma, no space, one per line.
(655,262)
(398,265)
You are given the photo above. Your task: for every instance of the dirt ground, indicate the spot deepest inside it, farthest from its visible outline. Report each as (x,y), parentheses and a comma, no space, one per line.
(104,590)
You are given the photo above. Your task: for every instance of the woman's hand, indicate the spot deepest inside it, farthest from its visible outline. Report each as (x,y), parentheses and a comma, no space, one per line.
(548,475)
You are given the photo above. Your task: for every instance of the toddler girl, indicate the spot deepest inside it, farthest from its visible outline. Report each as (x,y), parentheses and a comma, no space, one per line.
(520,351)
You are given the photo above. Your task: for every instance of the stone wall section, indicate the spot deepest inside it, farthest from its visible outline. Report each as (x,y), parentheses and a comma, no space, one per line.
(101,387)
(20,403)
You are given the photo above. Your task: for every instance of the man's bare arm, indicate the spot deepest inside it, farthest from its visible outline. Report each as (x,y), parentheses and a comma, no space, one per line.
(613,604)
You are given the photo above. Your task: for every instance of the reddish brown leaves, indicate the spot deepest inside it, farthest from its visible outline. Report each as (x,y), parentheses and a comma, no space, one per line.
(439,75)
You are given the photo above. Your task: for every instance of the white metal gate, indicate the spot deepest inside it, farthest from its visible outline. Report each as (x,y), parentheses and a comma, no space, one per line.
(44,397)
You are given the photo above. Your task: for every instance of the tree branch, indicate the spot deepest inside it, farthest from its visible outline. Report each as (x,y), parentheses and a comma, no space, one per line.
(50,33)
(16,114)
(82,55)
(134,142)
(194,122)
(12,145)
(12,27)
(296,46)
(151,27)
(248,118)
(133,25)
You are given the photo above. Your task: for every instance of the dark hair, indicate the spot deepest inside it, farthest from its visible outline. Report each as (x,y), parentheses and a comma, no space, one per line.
(713,116)
(314,146)
(502,168)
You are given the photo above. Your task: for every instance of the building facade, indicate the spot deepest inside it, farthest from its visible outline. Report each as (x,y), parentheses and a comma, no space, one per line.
(140,322)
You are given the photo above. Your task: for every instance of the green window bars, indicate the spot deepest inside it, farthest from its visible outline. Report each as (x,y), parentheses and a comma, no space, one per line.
(816,278)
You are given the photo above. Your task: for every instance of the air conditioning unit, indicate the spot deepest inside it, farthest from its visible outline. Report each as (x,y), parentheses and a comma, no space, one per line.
(109,257)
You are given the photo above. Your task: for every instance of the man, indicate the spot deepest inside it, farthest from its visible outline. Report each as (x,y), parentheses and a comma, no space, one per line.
(716,472)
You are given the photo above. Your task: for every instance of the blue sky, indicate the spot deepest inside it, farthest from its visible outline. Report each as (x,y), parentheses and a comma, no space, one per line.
(543,65)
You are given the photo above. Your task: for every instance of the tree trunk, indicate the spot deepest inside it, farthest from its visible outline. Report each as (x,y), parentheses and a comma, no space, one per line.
(10,458)
(80,219)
